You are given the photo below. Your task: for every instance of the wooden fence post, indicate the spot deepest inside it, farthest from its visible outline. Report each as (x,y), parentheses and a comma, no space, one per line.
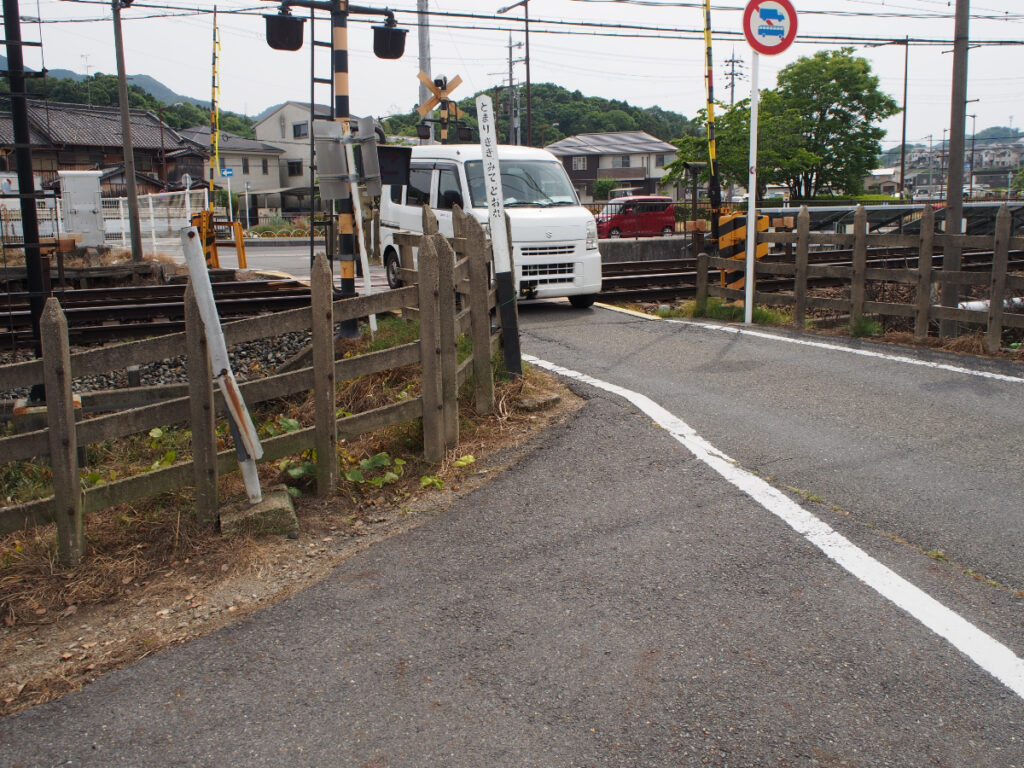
(479,313)
(1000,258)
(429,221)
(60,414)
(701,299)
(803,229)
(201,412)
(860,263)
(924,274)
(326,440)
(430,352)
(447,340)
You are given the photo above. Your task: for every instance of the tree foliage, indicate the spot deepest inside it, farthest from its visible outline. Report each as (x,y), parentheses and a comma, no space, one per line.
(817,131)
(101,90)
(559,112)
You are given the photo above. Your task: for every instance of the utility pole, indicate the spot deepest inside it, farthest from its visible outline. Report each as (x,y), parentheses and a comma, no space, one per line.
(126,134)
(529,109)
(513,114)
(37,292)
(951,256)
(423,36)
(903,140)
(735,73)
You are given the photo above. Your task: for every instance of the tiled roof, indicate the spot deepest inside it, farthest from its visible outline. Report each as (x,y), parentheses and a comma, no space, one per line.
(7,133)
(229,142)
(90,126)
(613,143)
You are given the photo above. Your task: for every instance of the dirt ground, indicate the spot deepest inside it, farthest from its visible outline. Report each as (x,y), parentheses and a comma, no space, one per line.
(64,629)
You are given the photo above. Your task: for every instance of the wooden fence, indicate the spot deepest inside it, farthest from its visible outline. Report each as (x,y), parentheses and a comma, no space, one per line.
(923,277)
(445,270)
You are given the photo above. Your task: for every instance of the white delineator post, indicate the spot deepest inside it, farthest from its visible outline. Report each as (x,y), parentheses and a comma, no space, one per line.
(748,280)
(247,443)
(503,277)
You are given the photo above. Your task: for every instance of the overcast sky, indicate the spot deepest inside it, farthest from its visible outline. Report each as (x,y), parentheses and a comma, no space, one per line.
(666,71)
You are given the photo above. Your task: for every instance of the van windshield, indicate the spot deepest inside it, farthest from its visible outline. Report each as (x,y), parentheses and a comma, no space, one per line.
(538,183)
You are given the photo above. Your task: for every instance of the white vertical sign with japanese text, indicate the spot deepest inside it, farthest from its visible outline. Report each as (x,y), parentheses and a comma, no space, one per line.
(492,183)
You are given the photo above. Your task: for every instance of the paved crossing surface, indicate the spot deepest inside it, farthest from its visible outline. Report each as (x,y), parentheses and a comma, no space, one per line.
(613,600)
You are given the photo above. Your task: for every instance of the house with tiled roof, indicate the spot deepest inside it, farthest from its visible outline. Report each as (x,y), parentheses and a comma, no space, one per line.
(636,159)
(81,137)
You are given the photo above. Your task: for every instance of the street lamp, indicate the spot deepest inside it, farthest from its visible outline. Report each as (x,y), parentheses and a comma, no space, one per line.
(529,105)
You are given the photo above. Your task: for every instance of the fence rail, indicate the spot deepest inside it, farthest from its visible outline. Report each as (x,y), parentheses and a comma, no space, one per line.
(431,291)
(924,278)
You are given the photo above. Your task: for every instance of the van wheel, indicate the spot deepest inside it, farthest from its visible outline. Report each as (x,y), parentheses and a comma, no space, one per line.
(667,231)
(615,232)
(583,301)
(391,269)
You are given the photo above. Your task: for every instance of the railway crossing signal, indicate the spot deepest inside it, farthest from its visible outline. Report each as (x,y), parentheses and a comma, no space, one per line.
(440,89)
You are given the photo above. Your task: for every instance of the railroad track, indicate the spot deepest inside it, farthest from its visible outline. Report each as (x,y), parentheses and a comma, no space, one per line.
(668,279)
(131,312)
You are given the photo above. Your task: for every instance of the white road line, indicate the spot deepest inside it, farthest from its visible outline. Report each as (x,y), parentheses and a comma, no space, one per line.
(989,654)
(741,331)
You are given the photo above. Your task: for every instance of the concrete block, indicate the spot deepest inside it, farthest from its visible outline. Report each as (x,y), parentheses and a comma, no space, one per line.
(275,515)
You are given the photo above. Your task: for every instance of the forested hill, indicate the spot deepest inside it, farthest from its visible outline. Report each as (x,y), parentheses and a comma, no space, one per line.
(558,112)
(101,90)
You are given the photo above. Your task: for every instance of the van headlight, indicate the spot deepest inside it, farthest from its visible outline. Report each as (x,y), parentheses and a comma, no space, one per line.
(591,234)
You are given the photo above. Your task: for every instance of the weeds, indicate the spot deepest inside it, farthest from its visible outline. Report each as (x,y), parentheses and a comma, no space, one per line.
(865,327)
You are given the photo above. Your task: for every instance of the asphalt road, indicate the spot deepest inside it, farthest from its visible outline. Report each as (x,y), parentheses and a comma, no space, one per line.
(612,600)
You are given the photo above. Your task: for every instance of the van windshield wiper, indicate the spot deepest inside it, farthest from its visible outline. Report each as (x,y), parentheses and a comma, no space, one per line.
(550,203)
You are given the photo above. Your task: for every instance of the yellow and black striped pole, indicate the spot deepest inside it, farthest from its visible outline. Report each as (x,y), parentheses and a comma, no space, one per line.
(342,113)
(714,187)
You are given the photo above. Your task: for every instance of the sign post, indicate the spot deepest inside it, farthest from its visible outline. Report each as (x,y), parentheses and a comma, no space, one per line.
(769,26)
(503,277)
(227,173)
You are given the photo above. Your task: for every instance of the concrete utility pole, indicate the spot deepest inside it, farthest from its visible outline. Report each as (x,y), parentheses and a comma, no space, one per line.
(951,258)
(903,139)
(513,112)
(529,103)
(126,134)
(423,36)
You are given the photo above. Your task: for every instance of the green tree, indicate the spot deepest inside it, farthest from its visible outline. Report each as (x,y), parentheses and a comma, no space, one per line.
(839,104)
(604,187)
(782,152)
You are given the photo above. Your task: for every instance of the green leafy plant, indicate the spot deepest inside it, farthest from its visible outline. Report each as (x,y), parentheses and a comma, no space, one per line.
(378,470)
(464,461)
(431,480)
(281,426)
(864,326)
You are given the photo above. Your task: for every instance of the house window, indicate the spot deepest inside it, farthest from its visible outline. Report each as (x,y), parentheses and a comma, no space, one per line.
(299,130)
(620,161)
(266,167)
(579,163)
(294,167)
(661,161)
(245,165)
(222,161)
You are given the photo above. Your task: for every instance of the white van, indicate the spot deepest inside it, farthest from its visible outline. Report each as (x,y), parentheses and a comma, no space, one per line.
(554,238)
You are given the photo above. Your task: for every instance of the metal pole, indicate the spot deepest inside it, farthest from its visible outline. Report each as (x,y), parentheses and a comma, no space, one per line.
(903,142)
(342,113)
(529,103)
(37,292)
(511,89)
(748,280)
(126,134)
(974,132)
(714,187)
(951,256)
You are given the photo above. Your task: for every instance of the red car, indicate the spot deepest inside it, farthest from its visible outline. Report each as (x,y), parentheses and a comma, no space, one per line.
(640,216)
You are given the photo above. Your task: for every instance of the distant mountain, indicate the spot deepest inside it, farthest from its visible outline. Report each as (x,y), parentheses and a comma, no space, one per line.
(149,84)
